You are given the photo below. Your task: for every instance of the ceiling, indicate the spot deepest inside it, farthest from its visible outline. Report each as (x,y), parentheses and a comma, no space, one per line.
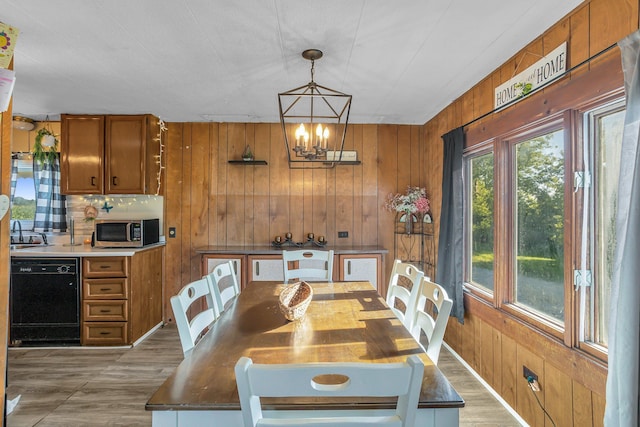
(225,61)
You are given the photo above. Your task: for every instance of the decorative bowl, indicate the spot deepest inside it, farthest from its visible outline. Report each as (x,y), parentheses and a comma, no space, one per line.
(294,300)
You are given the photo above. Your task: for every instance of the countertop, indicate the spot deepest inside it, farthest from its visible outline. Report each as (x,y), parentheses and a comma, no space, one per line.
(60,250)
(266,250)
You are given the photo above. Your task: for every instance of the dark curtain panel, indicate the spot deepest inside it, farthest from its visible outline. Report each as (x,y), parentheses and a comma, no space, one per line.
(449,269)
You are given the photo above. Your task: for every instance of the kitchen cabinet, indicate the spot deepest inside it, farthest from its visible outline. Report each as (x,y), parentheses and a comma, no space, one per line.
(121,297)
(113,154)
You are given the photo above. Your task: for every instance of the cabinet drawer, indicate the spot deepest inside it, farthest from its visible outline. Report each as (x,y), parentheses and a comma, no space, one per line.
(108,333)
(113,266)
(105,310)
(115,288)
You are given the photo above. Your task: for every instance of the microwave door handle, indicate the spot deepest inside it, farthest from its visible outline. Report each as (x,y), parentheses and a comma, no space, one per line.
(129,232)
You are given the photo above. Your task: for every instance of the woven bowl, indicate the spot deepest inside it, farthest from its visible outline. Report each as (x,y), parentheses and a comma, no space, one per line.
(294,300)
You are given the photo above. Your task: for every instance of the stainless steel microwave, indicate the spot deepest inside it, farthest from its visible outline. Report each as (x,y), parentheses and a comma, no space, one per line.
(120,233)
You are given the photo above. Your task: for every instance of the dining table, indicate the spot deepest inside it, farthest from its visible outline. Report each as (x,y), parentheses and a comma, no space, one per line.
(345,322)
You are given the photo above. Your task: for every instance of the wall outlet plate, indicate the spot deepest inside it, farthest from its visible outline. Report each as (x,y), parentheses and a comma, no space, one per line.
(343,234)
(526,372)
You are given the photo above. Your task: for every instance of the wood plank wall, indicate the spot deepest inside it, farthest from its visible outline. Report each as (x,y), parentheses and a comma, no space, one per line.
(494,344)
(212,202)
(5,188)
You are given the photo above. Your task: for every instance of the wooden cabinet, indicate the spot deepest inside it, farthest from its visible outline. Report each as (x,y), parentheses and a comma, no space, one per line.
(356,267)
(265,268)
(121,297)
(209,262)
(109,154)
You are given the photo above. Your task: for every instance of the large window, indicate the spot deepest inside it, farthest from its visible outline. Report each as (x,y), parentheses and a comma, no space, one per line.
(540,218)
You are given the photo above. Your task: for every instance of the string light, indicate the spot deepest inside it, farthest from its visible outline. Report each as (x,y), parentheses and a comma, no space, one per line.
(163,128)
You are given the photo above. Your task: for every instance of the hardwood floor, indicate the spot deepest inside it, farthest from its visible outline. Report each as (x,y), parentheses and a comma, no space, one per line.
(98,387)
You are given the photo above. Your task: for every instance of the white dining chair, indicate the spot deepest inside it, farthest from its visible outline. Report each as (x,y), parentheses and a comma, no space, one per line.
(191,329)
(308,265)
(404,285)
(431,317)
(224,283)
(402,380)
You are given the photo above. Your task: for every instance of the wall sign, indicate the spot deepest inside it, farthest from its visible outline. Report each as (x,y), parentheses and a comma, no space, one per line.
(543,71)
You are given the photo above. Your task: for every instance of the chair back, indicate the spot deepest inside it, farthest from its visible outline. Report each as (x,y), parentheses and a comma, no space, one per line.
(224,283)
(401,380)
(404,286)
(308,264)
(431,317)
(191,330)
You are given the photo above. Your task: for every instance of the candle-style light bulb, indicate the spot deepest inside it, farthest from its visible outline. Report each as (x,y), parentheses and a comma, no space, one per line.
(299,133)
(326,136)
(319,135)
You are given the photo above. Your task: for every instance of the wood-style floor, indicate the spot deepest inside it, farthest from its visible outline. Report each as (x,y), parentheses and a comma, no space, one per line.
(99,387)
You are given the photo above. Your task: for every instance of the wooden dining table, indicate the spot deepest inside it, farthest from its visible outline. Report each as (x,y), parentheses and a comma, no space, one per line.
(345,322)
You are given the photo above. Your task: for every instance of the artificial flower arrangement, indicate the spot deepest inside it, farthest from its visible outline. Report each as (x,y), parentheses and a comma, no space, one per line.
(415,201)
(45,149)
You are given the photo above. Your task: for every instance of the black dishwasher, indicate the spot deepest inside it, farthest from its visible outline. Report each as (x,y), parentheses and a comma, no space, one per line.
(44,303)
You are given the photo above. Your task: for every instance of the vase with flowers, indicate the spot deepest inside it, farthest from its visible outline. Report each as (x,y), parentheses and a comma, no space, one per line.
(411,205)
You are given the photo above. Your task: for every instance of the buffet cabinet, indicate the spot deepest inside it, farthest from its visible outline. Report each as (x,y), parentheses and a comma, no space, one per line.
(259,265)
(113,154)
(121,297)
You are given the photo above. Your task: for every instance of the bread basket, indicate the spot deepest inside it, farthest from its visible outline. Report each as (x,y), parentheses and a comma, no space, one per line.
(294,300)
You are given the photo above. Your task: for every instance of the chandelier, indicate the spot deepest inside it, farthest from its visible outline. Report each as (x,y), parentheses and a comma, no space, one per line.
(314,121)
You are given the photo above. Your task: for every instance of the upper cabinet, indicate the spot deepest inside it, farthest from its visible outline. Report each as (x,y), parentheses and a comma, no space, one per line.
(109,154)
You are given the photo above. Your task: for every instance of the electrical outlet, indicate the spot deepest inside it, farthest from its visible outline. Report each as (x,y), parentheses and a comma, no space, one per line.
(342,234)
(528,373)
(172,232)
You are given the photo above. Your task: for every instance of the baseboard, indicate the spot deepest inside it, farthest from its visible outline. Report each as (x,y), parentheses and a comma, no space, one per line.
(487,386)
(151,331)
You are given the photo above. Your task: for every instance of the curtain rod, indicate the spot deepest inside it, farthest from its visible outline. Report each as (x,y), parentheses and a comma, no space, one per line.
(513,101)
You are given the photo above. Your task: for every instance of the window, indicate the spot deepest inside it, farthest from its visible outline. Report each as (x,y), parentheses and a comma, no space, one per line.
(603,142)
(538,228)
(479,218)
(540,219)
(23,207)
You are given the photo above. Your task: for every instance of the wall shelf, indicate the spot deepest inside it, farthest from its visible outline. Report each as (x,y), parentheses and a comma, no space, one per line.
(248,162)
(345,162)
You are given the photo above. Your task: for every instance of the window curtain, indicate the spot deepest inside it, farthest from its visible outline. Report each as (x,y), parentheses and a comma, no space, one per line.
(450,248)
(624,326)
(50,204)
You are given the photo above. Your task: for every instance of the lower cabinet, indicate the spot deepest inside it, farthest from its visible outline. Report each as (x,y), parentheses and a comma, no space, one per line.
(260,267)
(121,297)
(365,267)
(265,268)
(209,262)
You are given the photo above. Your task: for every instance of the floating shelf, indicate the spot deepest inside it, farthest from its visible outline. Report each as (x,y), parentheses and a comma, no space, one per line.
(345,162)
(248,162)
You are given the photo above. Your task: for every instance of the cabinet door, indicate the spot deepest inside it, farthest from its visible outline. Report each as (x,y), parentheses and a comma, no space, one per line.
(360,268)
(209,262)
(126,138)
(81,154)
(266,268)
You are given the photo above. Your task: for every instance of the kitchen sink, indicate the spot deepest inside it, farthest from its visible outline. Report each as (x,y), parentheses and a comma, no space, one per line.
(28,245)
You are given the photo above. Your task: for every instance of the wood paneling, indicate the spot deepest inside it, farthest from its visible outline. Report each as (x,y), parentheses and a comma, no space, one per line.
(573,384)
(212,202)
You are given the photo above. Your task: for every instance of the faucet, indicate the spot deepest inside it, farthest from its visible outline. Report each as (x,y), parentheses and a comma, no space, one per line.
(21,237)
